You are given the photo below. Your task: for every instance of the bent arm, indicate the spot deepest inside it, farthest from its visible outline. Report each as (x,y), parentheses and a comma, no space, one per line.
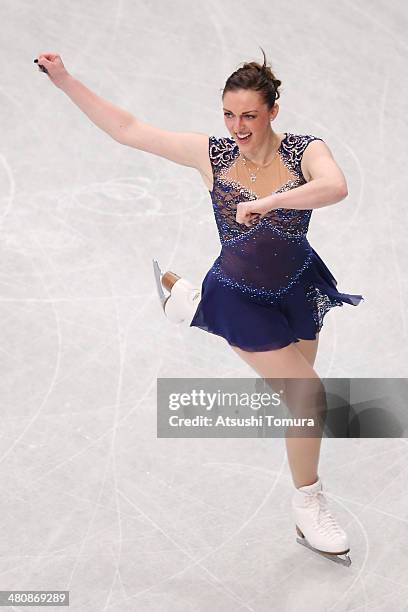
(326,182)
(314,194)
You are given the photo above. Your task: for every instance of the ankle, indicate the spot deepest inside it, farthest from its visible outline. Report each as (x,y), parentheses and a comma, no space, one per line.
(306,483)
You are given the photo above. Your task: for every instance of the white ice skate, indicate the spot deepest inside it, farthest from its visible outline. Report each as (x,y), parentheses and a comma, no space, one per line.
(317,528)
(181,303)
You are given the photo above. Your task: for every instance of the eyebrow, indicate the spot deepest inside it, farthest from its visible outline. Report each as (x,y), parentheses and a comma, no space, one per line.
(244,113)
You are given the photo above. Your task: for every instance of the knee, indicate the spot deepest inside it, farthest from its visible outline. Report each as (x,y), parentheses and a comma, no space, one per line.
(306,398)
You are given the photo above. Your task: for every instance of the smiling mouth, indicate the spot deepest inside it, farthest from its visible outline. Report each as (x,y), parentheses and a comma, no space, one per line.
(243,137)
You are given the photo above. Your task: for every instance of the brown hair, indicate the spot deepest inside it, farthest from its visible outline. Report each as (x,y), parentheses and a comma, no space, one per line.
(254,76)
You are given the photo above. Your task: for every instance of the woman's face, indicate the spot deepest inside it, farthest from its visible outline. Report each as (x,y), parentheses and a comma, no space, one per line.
(245,113)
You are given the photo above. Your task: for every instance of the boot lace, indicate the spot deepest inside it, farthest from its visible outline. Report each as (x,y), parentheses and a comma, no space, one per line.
(326,521)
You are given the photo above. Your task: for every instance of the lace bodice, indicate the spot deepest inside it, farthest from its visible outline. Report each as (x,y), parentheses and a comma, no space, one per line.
(227,192)
(266,259)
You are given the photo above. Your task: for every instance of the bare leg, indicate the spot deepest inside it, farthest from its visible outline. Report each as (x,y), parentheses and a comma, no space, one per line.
(293,361)
(304,472)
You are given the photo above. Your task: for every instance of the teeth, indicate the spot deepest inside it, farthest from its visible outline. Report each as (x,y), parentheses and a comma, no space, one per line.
(243,135)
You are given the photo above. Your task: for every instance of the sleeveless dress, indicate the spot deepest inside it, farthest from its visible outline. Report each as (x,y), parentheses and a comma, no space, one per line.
(268,287)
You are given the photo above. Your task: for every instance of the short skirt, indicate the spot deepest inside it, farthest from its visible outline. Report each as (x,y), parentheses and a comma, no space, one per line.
(296,315)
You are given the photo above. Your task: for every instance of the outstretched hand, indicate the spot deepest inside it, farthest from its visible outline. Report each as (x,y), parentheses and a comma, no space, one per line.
(51,64)
(250,212)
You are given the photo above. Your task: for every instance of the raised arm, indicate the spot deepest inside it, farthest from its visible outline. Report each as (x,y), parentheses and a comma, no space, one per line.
(185,148)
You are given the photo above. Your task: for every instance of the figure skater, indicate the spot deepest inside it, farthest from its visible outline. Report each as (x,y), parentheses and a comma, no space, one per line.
(268,291)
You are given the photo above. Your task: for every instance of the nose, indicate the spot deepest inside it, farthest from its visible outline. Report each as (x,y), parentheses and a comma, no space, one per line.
(239,126)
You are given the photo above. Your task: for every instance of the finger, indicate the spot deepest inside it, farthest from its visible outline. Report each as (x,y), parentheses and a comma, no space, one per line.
(242,210)
(44,61)
(40,62)
(49,57)
(42,68)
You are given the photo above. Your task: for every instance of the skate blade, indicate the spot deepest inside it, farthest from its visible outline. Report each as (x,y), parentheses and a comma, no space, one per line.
(157,276)
(333,557)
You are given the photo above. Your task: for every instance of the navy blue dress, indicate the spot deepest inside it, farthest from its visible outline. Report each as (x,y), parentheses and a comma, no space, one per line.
(268,287)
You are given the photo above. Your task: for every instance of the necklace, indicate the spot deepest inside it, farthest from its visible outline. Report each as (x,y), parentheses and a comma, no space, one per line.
(253,175)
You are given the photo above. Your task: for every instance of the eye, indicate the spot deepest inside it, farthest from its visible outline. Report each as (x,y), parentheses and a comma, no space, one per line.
(227,114)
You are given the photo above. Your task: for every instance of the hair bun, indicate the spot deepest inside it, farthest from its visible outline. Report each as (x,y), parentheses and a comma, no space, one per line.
(258,77)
